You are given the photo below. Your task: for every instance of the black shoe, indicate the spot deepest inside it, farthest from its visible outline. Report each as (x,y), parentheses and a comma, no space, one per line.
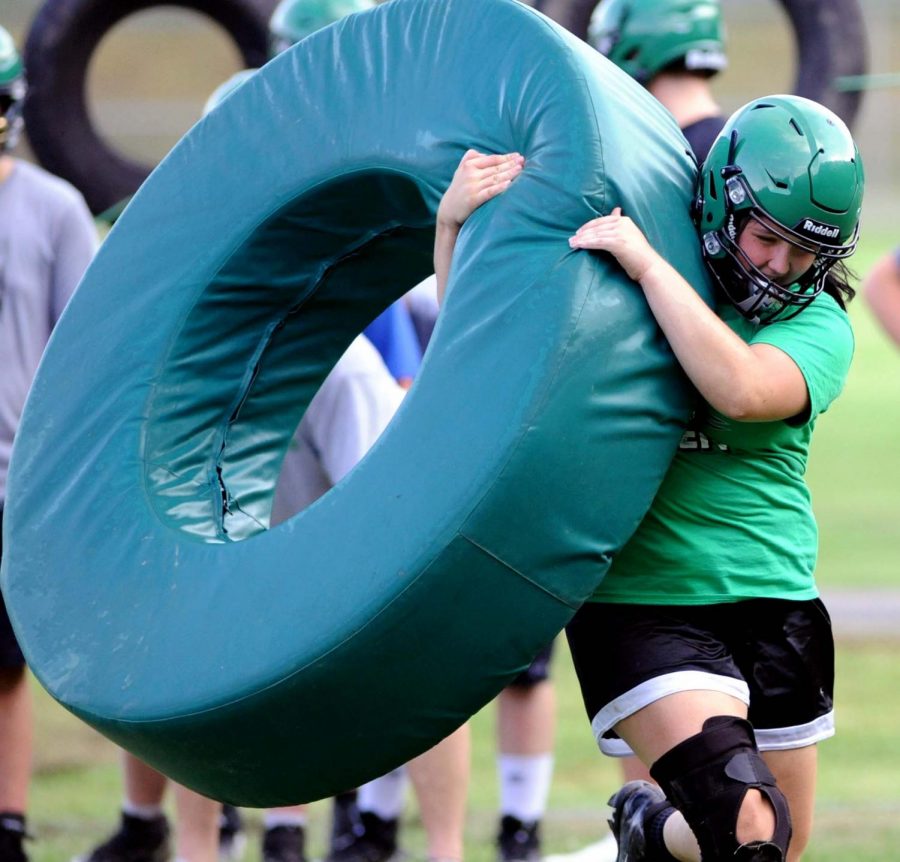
(377,842)
(12,835)
(518,841)
(633,805)
(137,840)
(232,840)
(284,844)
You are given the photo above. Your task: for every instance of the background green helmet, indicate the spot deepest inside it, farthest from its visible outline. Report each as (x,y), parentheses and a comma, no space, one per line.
(294,20)
(12,91)
(226,89)
(792,164)
(642,37)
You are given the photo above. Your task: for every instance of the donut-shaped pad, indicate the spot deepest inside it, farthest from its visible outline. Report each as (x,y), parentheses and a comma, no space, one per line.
(265,667)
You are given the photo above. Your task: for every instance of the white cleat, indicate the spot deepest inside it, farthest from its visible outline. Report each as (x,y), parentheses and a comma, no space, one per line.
(604,850)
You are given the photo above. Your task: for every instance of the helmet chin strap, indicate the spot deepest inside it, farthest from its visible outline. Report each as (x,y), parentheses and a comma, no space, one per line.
(755,300)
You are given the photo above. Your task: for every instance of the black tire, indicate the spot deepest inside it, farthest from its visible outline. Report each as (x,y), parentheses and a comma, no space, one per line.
(62,39)
(830,40)
(574,15)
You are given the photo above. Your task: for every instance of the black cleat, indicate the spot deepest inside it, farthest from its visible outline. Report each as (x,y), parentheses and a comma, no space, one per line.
(375,841)
(518,841)
(632,805)
(12,836)
(284,844)
(232,839)
(137,840)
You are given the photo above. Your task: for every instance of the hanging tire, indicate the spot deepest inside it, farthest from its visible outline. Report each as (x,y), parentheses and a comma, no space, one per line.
(60,44)
(831,42)
(574,15)
(267,667)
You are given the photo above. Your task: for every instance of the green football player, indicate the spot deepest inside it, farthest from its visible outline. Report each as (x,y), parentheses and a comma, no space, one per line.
(47,239)
(718,666)
(673,48)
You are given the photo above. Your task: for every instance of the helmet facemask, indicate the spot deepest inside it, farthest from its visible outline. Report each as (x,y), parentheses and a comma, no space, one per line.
(12,97)
(757,297)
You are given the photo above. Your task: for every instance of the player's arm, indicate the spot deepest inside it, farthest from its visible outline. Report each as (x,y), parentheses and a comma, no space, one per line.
(882,292)
(477,179)
(748,383)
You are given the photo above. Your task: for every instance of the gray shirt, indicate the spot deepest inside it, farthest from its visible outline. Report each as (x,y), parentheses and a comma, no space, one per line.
(47,239)
(351,409)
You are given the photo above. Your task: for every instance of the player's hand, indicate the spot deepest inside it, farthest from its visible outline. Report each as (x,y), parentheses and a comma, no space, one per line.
(622,238)
(478,178)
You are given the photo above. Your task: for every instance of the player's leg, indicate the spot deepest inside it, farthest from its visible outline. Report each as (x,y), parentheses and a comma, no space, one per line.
(197,835)
(440,777)
(795,771)
(16,739)
(526,723)
(790,671)
(665,680)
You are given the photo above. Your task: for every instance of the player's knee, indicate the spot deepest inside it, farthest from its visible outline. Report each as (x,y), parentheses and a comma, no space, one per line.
(728,796)
(756,818)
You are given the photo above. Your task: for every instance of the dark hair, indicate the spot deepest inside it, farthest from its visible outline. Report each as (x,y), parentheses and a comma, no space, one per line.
(838,284)
(679,67)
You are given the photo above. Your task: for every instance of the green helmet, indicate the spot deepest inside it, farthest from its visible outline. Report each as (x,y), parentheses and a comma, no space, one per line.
(226,89)
(791,164)
(294,20)
(642,37)
(12,91)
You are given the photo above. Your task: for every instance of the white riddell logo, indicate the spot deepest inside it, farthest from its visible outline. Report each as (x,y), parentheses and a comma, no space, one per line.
(811,226)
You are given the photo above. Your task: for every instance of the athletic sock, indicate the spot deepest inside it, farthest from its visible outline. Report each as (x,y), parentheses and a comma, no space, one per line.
(384,796)
(524,785)
(142,812)
(273,819)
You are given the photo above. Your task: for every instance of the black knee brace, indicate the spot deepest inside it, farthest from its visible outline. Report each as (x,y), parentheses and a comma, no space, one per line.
(707,776)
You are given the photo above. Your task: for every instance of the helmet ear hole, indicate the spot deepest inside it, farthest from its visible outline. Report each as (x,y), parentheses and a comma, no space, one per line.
(697,208)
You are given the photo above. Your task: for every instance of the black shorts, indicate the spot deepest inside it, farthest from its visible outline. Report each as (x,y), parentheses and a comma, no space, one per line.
(777,656)
(537,671)
(10,654)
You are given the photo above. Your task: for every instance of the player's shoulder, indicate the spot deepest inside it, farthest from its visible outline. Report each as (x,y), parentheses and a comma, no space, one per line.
(826,310)
(43,187)
(361,357)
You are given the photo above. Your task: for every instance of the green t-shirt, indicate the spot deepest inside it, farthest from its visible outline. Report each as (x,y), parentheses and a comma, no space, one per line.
(732,519)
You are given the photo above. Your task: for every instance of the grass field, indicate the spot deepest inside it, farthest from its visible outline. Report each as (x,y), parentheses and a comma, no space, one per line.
(855,476)
(77,788)
(855,461)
